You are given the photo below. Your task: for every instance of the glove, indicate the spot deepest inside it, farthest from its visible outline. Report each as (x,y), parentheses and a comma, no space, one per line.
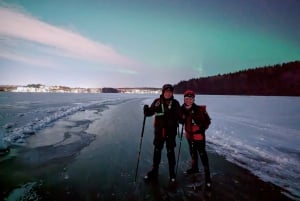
(146,109)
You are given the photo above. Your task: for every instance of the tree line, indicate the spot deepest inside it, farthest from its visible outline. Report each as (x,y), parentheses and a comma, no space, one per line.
(277,80)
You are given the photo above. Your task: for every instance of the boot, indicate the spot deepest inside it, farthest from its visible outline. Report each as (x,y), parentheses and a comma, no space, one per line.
(194,169)
(207,178)
(208,184)
(172,174)
(172,163)
(191,171)
(152,174)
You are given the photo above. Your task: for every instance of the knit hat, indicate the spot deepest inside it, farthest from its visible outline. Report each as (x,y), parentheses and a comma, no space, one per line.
(167,86)
(189,93)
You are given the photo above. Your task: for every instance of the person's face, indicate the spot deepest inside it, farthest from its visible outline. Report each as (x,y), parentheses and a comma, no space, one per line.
(188,101)
(168,94)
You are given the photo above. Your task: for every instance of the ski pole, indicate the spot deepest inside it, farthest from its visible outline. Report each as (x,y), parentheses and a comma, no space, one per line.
(179,149)
(140,148)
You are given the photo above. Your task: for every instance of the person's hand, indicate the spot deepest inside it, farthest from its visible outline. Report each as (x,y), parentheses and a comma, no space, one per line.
(146,109)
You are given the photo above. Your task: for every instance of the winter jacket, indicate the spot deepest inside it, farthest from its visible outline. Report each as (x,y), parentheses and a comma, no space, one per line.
(196,120)
(167,113)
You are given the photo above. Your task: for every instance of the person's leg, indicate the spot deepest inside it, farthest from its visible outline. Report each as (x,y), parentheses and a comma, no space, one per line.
(190,146)
(170,144)
(172,163)
(156,157)
(153,173)
(194,156)
(205,163)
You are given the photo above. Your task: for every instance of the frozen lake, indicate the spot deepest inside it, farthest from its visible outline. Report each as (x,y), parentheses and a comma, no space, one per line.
(261,134)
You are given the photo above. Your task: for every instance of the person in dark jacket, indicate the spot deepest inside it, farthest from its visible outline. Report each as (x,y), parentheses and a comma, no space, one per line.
(196,120)
(166,110)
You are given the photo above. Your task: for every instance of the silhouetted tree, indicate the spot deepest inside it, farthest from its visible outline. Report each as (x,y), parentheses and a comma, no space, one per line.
(278,80)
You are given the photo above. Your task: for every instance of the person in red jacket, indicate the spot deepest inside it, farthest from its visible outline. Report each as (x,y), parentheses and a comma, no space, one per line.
(196,120)
(166,110)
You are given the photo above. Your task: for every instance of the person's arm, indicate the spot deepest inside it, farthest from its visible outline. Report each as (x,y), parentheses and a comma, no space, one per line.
(181,115)
(149,111)
(201,117)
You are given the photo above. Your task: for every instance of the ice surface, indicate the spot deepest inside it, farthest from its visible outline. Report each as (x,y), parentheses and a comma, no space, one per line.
(251,131)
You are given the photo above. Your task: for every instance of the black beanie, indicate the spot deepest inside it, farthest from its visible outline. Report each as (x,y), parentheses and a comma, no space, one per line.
(167,86)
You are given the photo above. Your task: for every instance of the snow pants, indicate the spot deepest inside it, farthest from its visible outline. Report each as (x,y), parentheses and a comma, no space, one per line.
(198,147)
(165,137)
